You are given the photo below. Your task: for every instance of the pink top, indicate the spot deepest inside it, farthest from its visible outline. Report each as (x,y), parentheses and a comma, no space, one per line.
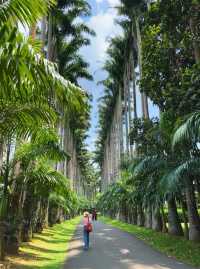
(86,220)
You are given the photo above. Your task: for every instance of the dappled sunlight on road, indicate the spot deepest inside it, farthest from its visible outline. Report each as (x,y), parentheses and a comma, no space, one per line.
(114,249)
(124,251)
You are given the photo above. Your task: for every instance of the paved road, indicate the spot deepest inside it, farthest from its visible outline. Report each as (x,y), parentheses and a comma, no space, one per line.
(115,249)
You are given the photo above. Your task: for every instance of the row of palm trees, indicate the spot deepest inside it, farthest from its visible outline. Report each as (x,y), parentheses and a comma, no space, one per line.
(160,190)
(157,159)
(65,37)
(44,117)
(119,104)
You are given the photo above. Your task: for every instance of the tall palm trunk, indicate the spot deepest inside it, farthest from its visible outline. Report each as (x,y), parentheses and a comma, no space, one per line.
(1,152)
(133,215)
(140,216)
(144,100)
(2,240)
(156,219)
(119,132)
(148,4)
(4,205)
(129,103)
(197,184)
(126,110)
(193,216)
(32,31)
(43,32)
(50,37)
(173,218)
(27,228)
(2,222)
(4,202)
(164,220)
(111,151)
(194,27)
(148,217)
(185,219)
(15,218)
(43,220)
(36,227)
(121,125)
(134,91)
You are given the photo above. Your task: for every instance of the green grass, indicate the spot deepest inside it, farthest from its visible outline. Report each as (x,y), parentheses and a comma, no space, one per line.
(47,250)
(177,247)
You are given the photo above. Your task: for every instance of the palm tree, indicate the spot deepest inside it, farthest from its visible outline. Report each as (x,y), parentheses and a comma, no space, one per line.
(111,112)
(30,173)
(65,38)
(133,10)
(188,134)
(61,24)
(72,66)
(157,161)
(130,55)
(116,103)
(12,11)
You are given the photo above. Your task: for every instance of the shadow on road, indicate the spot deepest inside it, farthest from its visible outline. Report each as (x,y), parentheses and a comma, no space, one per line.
(115,249)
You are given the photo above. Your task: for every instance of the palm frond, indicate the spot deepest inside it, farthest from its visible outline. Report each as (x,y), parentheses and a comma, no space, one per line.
(189,131)
(24,11)
(45,178)
(26,82)
(174,178)
(148,165)
(48,149)
(24,119)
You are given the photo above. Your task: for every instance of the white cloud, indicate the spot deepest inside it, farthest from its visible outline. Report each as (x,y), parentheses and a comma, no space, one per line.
(110,2)
(104,25)
(113,2)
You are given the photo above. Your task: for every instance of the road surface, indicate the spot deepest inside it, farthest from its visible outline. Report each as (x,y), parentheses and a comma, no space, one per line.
(112,248)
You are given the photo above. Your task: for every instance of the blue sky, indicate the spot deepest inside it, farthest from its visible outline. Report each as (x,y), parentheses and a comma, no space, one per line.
(102,21)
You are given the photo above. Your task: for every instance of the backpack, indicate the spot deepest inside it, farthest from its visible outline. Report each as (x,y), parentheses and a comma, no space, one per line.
(88,227)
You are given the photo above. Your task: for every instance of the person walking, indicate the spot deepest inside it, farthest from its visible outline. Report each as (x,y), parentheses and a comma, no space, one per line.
(94,215)
(87,228)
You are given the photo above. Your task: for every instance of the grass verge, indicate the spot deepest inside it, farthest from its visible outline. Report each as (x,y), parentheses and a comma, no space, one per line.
(177,247)
(47,250)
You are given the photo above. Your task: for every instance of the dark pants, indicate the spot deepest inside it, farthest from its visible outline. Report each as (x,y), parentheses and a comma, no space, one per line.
(94,217)
(86,237)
